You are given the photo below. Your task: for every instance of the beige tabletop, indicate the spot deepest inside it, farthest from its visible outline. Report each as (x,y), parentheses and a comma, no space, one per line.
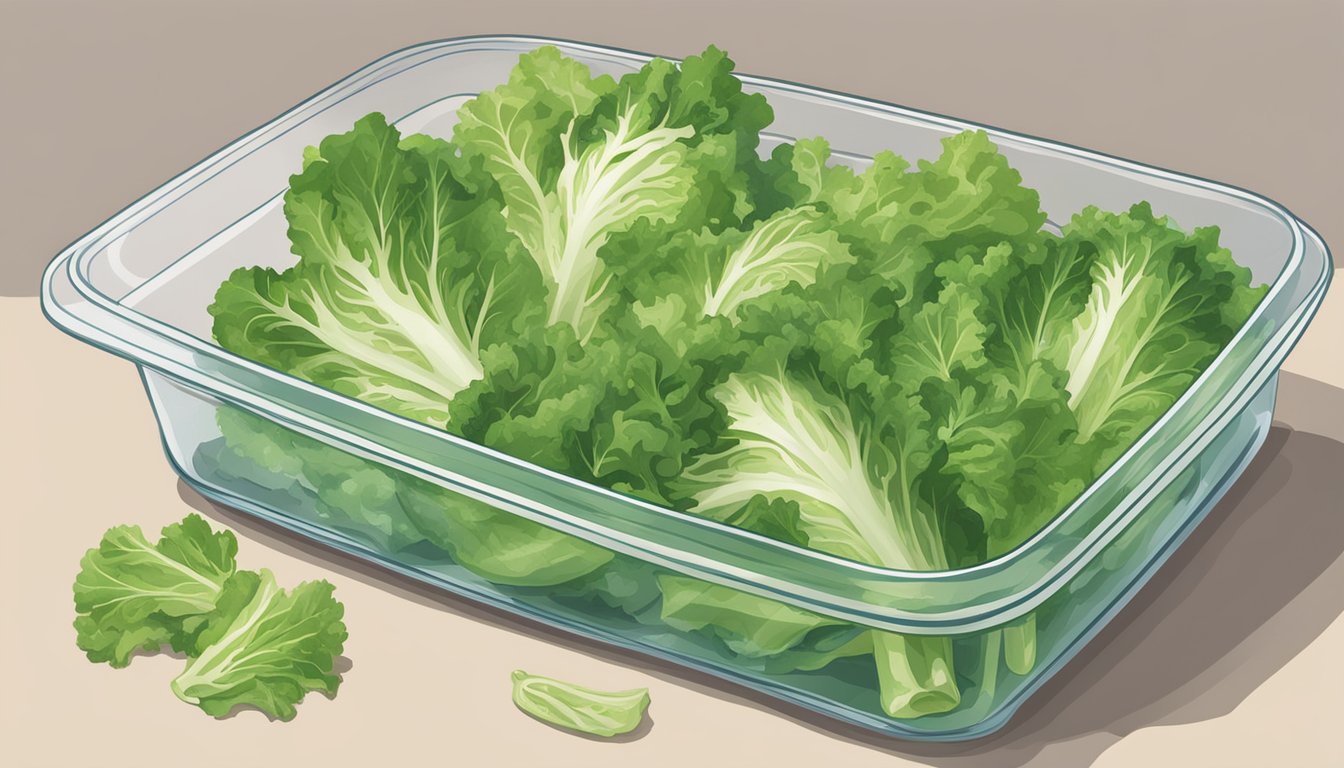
(1232,656)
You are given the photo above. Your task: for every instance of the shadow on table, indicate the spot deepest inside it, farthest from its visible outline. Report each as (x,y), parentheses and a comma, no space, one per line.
(1253,586)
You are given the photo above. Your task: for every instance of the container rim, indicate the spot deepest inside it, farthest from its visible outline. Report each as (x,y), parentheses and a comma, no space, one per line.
(159,346)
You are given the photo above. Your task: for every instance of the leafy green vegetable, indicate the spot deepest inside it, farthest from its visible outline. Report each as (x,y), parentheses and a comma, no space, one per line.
(354,496)
(898,364)
(1160,296)
(580,160)
(498,545)
(249,641)
(904,220)
(750,625)
(405,275)
(264,647)
(856,492)
(701,274)
(578,708)
(1019,645)
(135,596)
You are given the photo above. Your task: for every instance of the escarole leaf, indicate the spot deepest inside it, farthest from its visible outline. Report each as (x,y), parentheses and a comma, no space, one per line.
(586,710)
(1153,320)
(822,182)
(354,495)
(495,544)
(1030,309)
(264,647)
(748,624)
(789,247)
(622,164)
(854,494)
(580,160)
(624,409)
(405,274)
(516,129)
(943,337)
(698,275)
(856,491)
(135,596)
(902,217)
(521,132)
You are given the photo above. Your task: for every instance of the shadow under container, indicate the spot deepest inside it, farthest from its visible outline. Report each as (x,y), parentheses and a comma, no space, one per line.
(450,513)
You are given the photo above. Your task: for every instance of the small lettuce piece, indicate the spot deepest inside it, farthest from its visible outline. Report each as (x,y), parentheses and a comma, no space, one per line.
(135,596)
(600,713)
(264,647)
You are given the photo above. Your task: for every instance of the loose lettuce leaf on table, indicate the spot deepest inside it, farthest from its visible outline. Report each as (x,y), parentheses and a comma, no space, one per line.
(600,713)
(264,647)
(132,595)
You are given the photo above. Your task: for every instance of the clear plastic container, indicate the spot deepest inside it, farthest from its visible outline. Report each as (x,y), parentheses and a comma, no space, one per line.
(139,286)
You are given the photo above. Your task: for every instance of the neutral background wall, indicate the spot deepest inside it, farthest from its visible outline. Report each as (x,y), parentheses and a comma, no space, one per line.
(102,100)
(1230,657)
